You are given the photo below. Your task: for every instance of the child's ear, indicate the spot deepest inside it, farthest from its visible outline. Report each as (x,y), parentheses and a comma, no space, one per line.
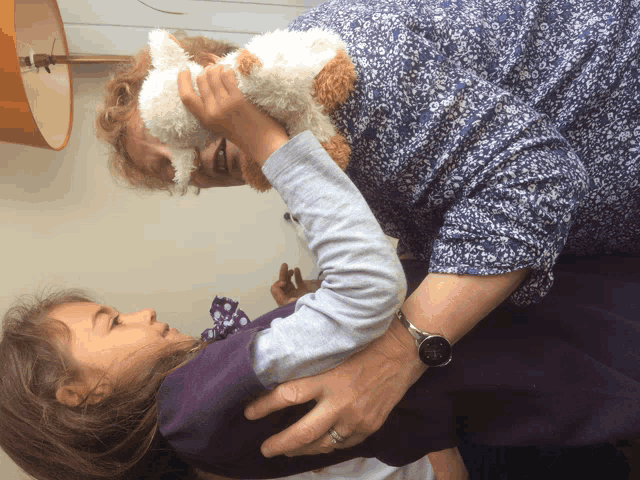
(206,58)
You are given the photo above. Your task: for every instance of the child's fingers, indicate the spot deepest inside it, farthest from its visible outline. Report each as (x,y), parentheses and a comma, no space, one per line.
(214,77)
(203,86)
(284,268)
(188,95)
(278,293)
(299,280)
(229,79)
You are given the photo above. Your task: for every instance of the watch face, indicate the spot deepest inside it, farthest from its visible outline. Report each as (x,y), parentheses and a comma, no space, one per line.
(435,351)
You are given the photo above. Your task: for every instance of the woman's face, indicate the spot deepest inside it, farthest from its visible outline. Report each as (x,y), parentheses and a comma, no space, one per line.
(218,165)
(104,338)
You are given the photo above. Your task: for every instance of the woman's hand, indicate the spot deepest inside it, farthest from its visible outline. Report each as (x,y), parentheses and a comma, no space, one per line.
(285,292)
(222,108)
(354,398)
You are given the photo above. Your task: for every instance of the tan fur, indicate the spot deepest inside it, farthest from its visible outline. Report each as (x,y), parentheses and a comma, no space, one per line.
(246,61)
(331,88)
(253,176)
(339,150)
(335,82)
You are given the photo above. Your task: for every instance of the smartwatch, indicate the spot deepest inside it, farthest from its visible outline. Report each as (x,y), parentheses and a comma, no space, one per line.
(434,350)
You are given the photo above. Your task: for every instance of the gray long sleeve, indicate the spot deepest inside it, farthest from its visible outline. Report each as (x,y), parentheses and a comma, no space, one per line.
(364,283)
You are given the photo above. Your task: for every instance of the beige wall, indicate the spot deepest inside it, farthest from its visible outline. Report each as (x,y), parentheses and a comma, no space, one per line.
(64,222)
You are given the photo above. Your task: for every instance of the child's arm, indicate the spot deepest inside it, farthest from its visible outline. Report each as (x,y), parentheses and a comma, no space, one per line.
(364,284)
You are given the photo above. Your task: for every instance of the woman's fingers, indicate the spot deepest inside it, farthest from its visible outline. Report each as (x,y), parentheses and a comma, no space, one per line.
(354,398)
(313,427)
(325,443)
(294,392)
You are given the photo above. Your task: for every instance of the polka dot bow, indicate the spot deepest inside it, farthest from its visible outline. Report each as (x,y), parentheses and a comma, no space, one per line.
(227,319)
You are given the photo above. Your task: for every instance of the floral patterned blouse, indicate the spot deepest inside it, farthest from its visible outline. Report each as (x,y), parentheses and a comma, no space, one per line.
(492,135)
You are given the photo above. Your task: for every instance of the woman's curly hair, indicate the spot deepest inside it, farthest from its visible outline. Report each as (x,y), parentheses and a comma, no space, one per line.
(116,438)
(121,104)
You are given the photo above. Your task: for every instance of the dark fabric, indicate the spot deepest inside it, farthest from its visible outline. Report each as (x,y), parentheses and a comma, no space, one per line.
(201,412)
(161,462)
(561,373)
(594,462)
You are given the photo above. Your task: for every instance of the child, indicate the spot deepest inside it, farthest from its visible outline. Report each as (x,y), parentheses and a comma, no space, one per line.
(81,382)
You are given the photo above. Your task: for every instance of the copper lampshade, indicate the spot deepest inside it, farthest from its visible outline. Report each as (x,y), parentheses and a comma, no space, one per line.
(36,104)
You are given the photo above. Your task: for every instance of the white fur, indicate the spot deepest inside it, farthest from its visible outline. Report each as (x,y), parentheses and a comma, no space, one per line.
(282,86)
(163,112)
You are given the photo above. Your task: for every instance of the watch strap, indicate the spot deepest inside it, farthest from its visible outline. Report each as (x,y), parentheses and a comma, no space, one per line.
(415,333)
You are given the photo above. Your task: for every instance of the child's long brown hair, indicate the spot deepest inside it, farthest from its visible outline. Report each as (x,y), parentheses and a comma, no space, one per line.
(116,438)
(121,102)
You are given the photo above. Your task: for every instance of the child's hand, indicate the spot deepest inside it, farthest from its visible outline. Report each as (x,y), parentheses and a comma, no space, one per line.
(223,109)
(285,292)
(220,104)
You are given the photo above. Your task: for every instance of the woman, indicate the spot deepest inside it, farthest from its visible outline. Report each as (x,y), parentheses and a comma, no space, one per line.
(488,138)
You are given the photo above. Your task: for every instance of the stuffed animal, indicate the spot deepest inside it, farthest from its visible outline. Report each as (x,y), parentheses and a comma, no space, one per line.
(299,78)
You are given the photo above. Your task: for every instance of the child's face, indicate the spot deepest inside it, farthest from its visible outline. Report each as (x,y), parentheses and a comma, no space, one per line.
(99,342)
(153,156)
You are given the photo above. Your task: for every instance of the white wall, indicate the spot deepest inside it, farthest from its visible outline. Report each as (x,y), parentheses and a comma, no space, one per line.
(64,222)
(117,27)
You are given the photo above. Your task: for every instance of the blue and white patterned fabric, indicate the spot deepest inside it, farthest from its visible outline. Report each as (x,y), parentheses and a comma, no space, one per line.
(492,135)
(227,319)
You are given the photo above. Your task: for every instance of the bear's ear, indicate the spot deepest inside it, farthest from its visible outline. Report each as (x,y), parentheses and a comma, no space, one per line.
(165,51)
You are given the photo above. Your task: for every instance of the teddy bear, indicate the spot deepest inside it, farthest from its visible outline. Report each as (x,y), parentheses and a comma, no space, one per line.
(299,78)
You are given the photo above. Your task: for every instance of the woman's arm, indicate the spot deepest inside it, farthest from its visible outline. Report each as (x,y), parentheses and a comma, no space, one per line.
(356,398)
(451,305)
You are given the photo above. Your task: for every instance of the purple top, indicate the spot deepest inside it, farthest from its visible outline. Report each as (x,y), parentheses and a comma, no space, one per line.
(201,410)
(507,360)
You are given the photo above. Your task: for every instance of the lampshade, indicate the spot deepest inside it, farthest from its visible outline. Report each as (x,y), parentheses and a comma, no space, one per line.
(36,107)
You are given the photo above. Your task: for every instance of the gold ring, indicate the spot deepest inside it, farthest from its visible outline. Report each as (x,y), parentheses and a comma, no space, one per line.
(335,436)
